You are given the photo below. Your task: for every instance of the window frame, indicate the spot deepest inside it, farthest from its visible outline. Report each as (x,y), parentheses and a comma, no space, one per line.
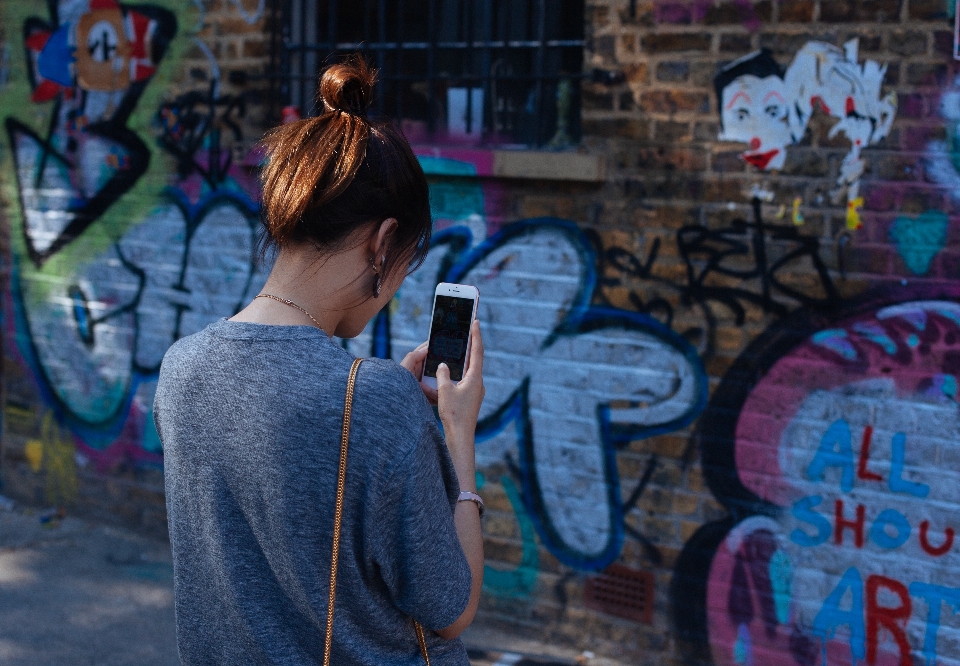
(298,53)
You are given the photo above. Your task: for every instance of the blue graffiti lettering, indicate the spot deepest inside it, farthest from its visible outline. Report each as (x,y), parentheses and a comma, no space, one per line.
(834,451)
(832,616)
(802,510)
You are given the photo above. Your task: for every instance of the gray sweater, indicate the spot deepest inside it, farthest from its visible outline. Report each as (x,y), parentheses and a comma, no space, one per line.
(250,418)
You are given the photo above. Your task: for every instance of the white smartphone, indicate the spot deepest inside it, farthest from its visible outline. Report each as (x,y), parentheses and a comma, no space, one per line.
(454,309)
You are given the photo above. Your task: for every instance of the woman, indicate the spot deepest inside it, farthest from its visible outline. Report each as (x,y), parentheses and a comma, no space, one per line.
(249,411)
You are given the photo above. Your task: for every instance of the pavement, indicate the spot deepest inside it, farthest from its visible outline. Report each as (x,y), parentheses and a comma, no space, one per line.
(78,593)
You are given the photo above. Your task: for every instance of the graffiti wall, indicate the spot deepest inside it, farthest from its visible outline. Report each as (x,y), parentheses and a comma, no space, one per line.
(827,440)
(721,412)
(831,442)
(132,220)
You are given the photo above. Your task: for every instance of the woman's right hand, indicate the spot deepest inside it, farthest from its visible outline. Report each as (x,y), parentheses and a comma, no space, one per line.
(459,404)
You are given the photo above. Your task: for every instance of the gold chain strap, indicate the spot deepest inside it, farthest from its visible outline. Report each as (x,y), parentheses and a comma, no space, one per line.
(422,641)
(338,519)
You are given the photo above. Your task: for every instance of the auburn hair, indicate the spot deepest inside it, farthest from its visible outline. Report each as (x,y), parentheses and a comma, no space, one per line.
(328,176)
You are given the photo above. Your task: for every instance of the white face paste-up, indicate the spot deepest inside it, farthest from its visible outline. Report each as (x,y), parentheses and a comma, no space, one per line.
(754,112)
(768,112)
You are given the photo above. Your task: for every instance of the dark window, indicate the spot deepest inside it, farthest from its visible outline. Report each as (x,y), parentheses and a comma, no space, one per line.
(466,72)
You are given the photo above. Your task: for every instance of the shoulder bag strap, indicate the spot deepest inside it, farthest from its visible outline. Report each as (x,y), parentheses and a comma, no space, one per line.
(338,519)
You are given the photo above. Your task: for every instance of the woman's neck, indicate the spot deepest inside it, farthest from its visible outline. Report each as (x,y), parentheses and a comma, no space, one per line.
(326,287)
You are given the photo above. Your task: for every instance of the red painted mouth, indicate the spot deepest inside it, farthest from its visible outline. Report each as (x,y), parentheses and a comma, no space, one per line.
(760,160)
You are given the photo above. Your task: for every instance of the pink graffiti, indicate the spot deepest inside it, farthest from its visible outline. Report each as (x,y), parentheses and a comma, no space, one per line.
(907,344)
(750,19)
(242,176)
(847,577)
(126,452)
(671,12)
(681,12)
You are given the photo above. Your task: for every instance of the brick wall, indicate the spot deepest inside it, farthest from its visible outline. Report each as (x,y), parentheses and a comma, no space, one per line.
(94,297)
(722,380)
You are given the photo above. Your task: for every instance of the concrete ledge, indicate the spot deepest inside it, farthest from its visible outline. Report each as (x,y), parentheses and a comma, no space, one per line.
(520,164)
(549,166)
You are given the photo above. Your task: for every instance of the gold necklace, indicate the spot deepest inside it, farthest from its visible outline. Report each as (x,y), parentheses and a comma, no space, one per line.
(292,305)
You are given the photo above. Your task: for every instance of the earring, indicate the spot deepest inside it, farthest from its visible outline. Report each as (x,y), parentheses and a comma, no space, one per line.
(377,280)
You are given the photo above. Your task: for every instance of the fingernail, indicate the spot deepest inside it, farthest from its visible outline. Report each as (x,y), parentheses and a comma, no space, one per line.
(442,365)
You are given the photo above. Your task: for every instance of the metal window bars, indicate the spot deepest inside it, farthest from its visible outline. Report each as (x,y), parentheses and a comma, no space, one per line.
(460,72)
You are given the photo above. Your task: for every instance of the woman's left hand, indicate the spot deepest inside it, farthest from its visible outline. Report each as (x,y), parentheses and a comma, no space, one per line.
(414,363)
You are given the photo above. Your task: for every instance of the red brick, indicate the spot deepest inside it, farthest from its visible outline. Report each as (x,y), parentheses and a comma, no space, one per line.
(809,162)
(702,73)
(604,46)
(706,131)
(916,201)
(943,42)
(784,44)
(255,48)
(679,159)
(677,13)
(601,16)
(879,197)
(718,366)
(643,14)
(672,101)
(732,42)
(928,10)
(927,74)
(673,72)
(871,259)
(729,162)
(596,97)
(892,77)
(680,187)
(636,73)
(723,192)
(868,43)
(235,25)
(860,10)
(627,128)
(912,105)
(504,552)
(796,11)
(732,12)
(677,41)
(947,264)
(907,42)
(671,131)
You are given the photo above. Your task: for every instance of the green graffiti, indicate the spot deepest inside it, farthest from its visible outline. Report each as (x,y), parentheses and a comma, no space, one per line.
(455,199)
(920,239)
(129,209)
(444,166)
(517,583)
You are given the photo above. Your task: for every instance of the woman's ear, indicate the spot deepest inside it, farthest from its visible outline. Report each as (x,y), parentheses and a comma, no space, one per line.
(380,240)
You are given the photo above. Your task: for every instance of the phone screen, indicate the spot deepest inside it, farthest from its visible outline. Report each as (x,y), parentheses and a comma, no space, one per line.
(449,331)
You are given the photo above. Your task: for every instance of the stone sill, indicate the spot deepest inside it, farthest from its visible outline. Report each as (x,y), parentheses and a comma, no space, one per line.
(520,164)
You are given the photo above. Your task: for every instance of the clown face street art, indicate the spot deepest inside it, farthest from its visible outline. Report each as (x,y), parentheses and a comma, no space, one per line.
(89,63)
(753,109)
(769,108)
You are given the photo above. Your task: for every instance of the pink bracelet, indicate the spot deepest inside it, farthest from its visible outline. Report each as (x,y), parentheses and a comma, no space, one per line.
(467,496)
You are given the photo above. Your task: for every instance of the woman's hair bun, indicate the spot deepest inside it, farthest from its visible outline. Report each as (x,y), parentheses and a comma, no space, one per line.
(347,87)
